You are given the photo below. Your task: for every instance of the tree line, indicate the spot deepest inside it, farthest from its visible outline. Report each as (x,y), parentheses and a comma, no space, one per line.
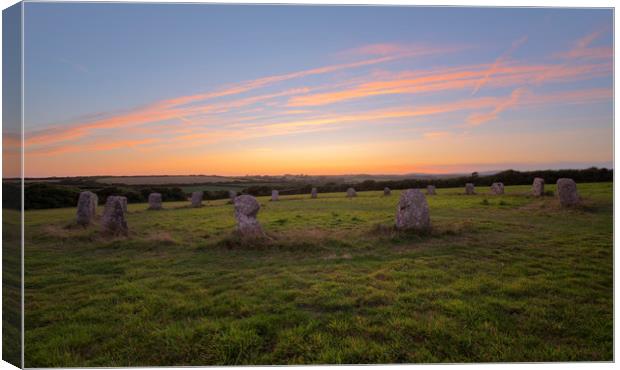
(42,195)
(508,177)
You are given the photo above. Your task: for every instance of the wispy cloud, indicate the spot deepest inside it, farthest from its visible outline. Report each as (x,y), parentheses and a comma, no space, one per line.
(296,104)
(582,52)
(449,79)
(479,118)
(582,49)
(498,62)
(523,97)
(92,146)
(399,50)
(178,107)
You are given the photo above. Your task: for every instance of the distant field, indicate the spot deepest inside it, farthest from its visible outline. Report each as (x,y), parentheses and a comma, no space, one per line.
(500,278)
(212,187)
(199,179)
(161,180)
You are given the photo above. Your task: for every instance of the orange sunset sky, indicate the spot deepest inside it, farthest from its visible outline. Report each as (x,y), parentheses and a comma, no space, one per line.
(144,89)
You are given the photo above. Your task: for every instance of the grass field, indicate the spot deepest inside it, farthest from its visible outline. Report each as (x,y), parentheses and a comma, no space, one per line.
(212,187)
(512,278)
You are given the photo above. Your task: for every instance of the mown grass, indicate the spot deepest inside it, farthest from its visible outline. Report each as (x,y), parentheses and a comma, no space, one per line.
(514,278)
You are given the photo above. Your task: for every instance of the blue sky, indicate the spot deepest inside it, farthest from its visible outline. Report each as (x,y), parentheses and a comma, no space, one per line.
(100,79)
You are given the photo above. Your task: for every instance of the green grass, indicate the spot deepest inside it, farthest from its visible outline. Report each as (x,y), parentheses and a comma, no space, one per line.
(11,287)
(514,278)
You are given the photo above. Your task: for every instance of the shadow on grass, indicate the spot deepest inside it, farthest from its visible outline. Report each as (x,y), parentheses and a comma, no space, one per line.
(394,235)
(551,205)
(311,240)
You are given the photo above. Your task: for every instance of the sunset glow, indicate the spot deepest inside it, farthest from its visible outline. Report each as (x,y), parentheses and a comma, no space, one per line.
(279,90)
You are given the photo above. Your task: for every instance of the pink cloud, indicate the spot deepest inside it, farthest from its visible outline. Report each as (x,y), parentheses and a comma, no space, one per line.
(446,79)
(174,107)
(499,61)
(476,119)
(582,49)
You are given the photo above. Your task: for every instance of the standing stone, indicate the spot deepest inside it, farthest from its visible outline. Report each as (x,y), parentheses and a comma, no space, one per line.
(155,201)
(246,209)
(275,195)
(430,190)
(412,211)
(387,191)
(538,187)
(497,188)
(112,198)
(469,189)
(113,220)
(567,192)
(197,198)
(314,193)
(351,193)
(86,208)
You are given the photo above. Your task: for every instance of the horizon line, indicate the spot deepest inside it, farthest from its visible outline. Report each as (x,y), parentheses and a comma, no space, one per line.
(317,175)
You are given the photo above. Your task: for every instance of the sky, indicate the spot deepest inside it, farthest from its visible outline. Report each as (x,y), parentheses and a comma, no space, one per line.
(152,89)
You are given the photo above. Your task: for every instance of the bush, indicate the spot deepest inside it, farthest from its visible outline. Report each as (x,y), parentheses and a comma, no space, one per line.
(44,195)
(11,193)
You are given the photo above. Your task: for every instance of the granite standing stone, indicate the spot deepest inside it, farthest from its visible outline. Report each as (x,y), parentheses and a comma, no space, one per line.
(412,212)
(110,201)
(469,189)
(197,199)
(246,210)
(314,194)
(497,188)
(387,191)
(567,192)
(113,220)
(430,190)
(351,193)
(275,195)
(155,201)
(86,208)
(538,187)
